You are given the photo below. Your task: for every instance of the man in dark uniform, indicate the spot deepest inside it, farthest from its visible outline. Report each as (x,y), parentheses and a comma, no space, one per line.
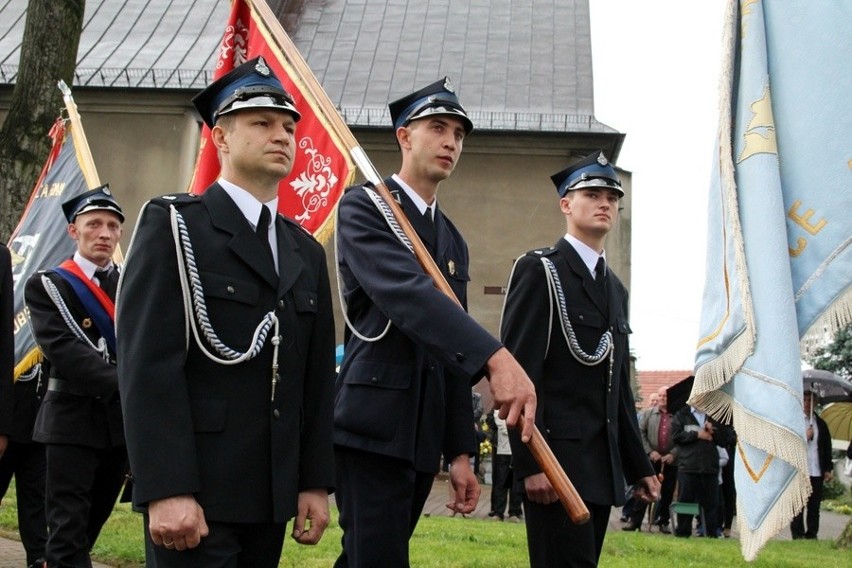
(228,411)
(403,394)
(565,319)
(72,314)
(19,455)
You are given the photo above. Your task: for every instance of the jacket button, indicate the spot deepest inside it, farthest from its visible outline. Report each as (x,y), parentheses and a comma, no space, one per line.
(582,316)
(280,304)
(460,357)
(230,289)
(276,414)
(374,380)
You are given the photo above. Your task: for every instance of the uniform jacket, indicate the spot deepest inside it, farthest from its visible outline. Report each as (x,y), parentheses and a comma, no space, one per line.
(87,411)
(588,420)
(695,455)
(195,426)
(406,395)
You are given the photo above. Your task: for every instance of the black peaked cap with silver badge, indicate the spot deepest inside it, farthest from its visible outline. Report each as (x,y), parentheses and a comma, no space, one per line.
(250,85)
(592,171)
(435,99)
(98,199)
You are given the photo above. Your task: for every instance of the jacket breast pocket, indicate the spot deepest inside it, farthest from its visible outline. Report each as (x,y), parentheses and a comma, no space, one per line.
(225,287)
(305,301)
(587,318)
(457,270)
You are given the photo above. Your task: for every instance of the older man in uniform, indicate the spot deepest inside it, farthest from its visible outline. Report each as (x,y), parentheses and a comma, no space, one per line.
(72,312)
(565,319)
(227,337)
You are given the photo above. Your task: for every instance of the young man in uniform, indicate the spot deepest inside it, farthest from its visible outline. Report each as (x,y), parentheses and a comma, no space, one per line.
(565,319)
(403,394)
(227,336)
(72,313)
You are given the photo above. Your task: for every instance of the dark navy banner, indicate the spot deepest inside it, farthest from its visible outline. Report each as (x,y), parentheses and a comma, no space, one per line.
(41,239)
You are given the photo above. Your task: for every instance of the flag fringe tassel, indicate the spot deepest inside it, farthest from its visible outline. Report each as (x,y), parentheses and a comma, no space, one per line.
(779,443)
(837,316)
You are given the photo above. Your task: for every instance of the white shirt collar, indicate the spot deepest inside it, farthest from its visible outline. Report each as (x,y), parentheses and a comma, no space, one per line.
(249,204)
(588,254)
(87,266)
(415,197)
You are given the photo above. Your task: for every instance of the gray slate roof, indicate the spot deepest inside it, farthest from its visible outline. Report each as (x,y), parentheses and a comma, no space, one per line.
(516,64)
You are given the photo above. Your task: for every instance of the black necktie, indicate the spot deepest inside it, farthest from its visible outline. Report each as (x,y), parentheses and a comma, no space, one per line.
(428,216)
(600,275)
(262,229)
(108,280)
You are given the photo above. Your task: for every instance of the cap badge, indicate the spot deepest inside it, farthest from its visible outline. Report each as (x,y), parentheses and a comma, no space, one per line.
(262,68)
(602,159)
(448,86)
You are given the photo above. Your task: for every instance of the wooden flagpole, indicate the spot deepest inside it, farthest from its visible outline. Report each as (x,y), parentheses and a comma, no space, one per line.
(308,82)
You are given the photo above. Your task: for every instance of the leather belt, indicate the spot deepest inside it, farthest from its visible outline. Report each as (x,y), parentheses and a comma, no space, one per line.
(66,387)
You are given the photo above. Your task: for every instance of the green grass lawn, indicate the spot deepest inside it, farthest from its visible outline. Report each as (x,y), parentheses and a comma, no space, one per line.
(471,543)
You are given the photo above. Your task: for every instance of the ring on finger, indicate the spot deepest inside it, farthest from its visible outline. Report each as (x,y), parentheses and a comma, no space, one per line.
(169,543)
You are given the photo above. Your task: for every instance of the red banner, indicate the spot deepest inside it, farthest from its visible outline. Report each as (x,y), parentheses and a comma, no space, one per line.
(321,167)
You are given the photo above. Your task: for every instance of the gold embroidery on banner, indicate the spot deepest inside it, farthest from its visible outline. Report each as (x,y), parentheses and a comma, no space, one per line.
(804,221)
(754,476)
(759,137)
(745,11)
(800,247)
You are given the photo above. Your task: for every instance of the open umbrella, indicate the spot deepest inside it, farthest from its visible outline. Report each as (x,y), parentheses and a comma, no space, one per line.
(838,416)
(828,386)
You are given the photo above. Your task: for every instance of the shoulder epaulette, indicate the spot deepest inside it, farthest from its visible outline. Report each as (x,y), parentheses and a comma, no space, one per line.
(178,199)
(542,252)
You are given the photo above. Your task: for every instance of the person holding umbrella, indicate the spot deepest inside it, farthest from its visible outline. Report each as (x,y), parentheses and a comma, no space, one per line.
(820,468)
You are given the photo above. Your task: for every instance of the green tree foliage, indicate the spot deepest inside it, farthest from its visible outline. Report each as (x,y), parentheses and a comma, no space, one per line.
(837,355)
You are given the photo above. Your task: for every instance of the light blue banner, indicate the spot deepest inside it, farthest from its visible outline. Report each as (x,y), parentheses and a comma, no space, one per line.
(778,259)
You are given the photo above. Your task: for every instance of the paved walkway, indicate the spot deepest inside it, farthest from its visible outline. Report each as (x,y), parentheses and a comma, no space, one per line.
(831,524)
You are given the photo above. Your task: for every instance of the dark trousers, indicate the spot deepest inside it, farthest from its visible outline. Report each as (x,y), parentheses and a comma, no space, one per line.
(82,487)
(27,463)
(380,500)
(797,525)
(661,517)
(701,488)
(553,541)
(229,545)
(729,493)
(502,487)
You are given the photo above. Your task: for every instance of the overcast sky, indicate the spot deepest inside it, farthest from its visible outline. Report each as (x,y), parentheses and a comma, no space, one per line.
(656,69)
